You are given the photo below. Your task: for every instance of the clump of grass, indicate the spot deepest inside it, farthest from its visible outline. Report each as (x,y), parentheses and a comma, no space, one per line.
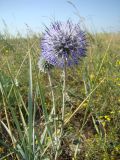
(92,113)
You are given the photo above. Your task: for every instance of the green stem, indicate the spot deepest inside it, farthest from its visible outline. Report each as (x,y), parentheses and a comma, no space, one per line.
(63,92)
(63,110)
(54,108)
(52,92)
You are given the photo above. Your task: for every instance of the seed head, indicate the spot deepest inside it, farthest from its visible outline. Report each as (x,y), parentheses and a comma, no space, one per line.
(43,65)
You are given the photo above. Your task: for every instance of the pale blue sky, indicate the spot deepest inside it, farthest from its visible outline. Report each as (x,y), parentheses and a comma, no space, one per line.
(99,14)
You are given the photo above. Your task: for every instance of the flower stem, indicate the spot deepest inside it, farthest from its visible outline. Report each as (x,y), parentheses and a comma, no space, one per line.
(63,92)
(52,92)
(63,110)
(54,107)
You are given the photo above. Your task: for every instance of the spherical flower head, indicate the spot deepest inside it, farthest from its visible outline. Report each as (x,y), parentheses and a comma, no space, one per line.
(63,44)
(43,65)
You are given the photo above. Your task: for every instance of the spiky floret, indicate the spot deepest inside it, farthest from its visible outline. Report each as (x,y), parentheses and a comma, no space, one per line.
(43,65)
(63,43)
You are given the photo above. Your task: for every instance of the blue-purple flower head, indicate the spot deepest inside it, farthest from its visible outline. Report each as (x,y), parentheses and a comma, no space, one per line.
(63,44)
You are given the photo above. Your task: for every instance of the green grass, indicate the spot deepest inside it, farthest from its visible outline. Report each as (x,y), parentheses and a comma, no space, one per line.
(92,107)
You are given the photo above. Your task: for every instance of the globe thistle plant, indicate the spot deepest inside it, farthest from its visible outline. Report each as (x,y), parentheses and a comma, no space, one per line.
(63,44)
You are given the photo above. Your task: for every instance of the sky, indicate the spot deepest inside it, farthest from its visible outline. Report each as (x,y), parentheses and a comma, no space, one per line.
(23,15)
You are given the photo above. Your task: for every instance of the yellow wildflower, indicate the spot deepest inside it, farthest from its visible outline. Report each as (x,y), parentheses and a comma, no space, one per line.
(107,118)
(1,149)
(100,117)
(92,77)
(103,123)
(36,142)
(117,63)
(112,112)
(85,105)
(117,148)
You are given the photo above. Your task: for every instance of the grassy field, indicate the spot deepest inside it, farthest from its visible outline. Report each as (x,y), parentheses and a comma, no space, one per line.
(92,105)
